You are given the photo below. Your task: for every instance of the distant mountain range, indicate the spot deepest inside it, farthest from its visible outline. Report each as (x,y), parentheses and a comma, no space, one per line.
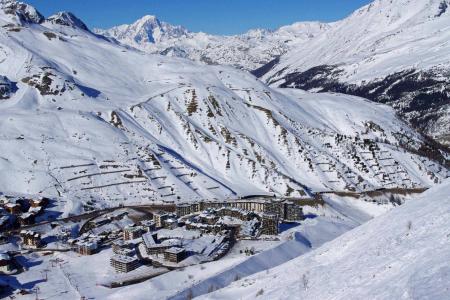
(390,51)
(247,51)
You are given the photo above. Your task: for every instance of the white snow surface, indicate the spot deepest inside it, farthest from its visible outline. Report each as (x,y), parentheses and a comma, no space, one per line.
(97,124)
(249,51)
(381,38)
(402,254)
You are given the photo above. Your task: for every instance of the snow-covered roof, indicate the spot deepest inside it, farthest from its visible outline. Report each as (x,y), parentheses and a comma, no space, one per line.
(4,219)
(175,250)
(88,244)
(4,256)
(173,242)
(26,215)
(35,210)
(178,233)
(124,259)
(147,223)
(133,228)
(148,239)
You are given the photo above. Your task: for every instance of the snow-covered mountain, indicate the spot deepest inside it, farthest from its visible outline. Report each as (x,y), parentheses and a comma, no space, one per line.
(400,255)
(247,51)
(146,31)
(390,51)
(394,52)
(95,124)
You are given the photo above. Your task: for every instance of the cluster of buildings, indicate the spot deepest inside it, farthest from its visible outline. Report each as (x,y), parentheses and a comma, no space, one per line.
(20,211)
(286,210)
(258,215)
(167,239)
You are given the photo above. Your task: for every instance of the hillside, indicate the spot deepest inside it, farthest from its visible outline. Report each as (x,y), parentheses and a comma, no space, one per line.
(400,255)
(394,52)
(96,124)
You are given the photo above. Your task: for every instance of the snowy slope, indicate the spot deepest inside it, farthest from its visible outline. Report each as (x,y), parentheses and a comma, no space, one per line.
(97,124)
(391,36)
(248,51)
(393,52)
(390,51)
(400,255)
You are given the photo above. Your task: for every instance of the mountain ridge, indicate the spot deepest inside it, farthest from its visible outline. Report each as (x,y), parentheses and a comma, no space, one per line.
(247,51)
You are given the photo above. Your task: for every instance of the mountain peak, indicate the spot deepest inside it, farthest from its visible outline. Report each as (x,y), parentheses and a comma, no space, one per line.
(147,30)
(24,12)
(67,19)
(148,18)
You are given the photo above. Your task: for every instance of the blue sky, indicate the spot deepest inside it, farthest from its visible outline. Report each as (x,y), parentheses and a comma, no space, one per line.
(212,16)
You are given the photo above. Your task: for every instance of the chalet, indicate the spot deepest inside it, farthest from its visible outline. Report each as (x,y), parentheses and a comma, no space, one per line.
(6,265)
(124,264)
(26,219)
(40,202)
(31,239)
(37,211)
(13,208)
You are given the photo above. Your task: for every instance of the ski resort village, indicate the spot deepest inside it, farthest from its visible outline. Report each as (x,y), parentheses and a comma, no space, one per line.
(148,161)
(143,241)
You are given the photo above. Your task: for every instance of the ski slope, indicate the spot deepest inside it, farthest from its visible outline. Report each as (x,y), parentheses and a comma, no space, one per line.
(402,254)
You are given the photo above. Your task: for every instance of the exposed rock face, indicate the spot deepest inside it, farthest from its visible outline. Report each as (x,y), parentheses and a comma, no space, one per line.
(7,88)
(67,19)
(420,97)
(25,13)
